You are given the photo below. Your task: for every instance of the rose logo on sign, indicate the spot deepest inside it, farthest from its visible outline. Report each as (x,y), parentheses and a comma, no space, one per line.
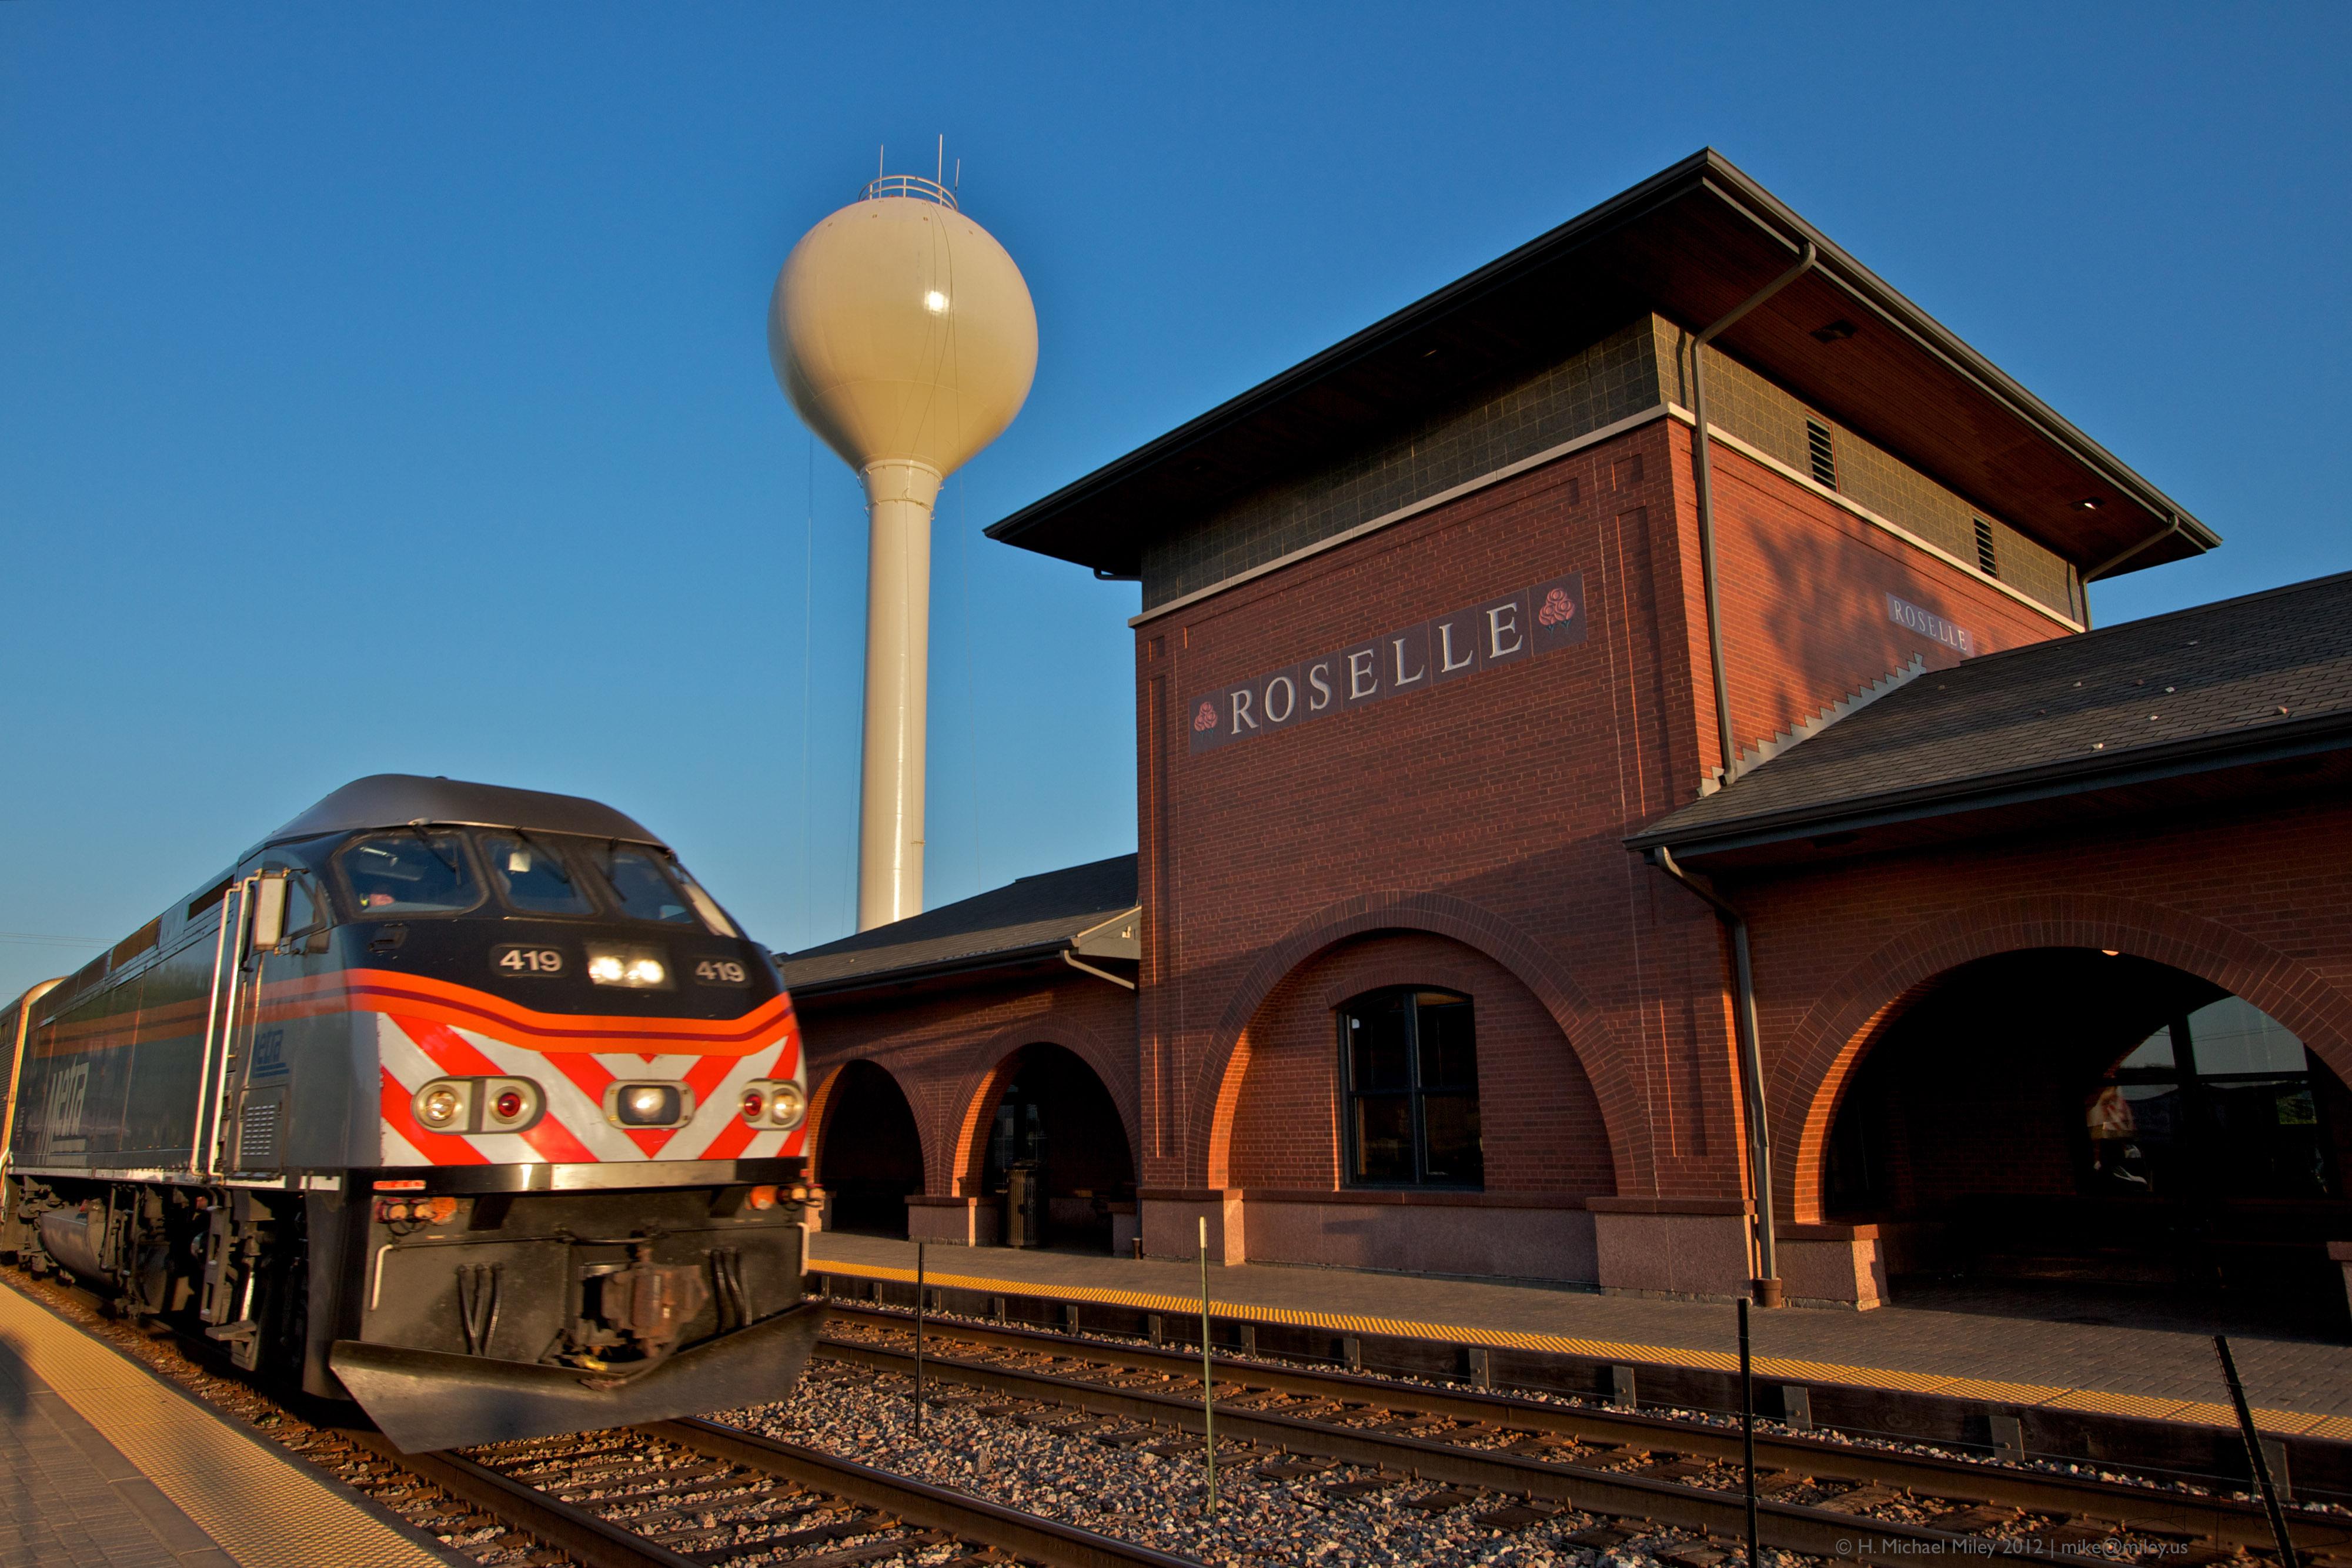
(1398,663)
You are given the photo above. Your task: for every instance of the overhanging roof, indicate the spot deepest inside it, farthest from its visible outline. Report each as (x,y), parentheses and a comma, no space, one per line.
(1087,910)
(1690,243)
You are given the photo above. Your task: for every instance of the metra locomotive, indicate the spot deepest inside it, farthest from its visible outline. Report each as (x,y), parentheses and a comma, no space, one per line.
(465,1100)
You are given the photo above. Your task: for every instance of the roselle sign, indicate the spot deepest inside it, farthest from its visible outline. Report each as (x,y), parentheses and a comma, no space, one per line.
(1395,663)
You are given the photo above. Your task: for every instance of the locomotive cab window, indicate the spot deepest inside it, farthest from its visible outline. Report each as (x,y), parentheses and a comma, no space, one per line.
(1409,1064)
(532,876)
(640,886)
(308,915)
(415,872)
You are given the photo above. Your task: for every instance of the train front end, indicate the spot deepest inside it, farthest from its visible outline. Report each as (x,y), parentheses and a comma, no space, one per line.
(579,1094)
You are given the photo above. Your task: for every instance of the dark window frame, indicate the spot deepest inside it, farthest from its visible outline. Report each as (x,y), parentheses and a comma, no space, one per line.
(2199,1093)
(568,851)
(465,851)
(1416,1093)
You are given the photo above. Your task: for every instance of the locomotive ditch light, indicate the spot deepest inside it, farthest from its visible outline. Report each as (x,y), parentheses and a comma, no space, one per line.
(442,1105)
(779,1103)
(634,968)
(456,1106)
(645,1104)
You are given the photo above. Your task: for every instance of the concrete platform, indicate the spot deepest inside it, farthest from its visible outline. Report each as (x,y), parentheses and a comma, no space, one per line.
(105,1465)
(2300,1387)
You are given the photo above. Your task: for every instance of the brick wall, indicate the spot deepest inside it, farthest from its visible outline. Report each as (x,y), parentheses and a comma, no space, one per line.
(950,1052)
(1804,592)
(1746,406)
(1539,1123)
(1506,792)
(2241,895)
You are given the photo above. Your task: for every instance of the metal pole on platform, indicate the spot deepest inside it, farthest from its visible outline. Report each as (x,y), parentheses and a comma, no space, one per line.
(1747,1435)
(1208,1373)
(2254,1450)
(918,1339)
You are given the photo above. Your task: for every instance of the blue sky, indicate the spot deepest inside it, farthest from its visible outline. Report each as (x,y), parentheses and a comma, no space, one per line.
(384,390)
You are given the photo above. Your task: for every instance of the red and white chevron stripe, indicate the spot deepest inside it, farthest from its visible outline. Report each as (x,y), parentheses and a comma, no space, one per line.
(412,1050)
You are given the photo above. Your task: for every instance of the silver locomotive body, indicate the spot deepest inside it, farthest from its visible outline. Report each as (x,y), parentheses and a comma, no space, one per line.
(466,1101)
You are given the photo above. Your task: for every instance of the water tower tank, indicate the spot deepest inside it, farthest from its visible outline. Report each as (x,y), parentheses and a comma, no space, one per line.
(904,335)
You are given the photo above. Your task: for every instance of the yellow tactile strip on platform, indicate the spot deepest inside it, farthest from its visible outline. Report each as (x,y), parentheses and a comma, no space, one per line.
(263,1509)
(1778,1369)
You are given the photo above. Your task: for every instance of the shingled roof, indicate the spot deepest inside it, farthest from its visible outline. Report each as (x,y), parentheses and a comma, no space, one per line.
(1077,910)
(2225,684)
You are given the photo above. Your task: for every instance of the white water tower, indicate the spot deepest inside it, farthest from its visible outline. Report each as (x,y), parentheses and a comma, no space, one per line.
(904,335)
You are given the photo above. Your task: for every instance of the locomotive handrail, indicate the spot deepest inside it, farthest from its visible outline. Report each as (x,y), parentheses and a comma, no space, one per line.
(198,1163)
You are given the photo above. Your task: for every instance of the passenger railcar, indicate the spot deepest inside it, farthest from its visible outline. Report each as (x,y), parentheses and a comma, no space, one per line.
(466,1101)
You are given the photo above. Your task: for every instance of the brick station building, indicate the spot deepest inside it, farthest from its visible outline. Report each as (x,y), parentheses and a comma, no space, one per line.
(2001,949)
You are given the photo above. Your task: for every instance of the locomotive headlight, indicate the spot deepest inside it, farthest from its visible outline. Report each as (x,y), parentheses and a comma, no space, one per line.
(648,1105)
(774,1104)
(637,968)
(441,1106)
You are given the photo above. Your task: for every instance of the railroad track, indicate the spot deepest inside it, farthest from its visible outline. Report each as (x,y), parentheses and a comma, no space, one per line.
(676,1494)
(1522,1457)
(699,1494)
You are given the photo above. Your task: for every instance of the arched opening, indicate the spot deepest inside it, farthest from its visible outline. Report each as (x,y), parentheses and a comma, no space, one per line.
(1056,1133)
(2097,1137)
(870,1155)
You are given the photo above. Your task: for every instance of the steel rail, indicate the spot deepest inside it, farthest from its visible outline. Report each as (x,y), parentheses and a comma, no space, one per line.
(591,1539)
(2220,1519)
(2226,1524)
(918,1502)
(1813,1532)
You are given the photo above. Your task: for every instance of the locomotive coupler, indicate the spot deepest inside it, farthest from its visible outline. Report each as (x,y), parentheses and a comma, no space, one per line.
(645,1303)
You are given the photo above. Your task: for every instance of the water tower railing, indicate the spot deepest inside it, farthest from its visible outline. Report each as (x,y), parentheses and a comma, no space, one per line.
(908,185)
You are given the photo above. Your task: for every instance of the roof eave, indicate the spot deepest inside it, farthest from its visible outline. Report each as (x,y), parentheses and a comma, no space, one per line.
(1709,171)
(1661,187)
(970,964)
(2198,754)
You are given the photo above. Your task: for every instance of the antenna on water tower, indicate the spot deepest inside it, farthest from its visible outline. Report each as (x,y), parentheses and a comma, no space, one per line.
(904,335)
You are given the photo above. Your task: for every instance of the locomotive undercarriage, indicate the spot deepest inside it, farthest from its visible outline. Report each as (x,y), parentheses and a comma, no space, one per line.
(453,1318)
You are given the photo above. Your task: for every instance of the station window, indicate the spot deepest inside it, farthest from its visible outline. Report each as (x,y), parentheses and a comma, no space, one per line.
(2216,1104)
(1409,1064)
(1987,561)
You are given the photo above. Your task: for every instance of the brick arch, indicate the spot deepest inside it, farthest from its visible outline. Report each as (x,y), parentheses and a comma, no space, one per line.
(1812,1070)
(821,1105)
(1217,1082)
(990,1069)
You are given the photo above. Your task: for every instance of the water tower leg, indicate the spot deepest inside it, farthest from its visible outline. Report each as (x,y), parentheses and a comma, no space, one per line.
(898,496)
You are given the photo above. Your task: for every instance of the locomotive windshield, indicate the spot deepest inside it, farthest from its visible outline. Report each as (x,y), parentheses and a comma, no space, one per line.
(533,877)
(416,871)
(411,872)
(642,892)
